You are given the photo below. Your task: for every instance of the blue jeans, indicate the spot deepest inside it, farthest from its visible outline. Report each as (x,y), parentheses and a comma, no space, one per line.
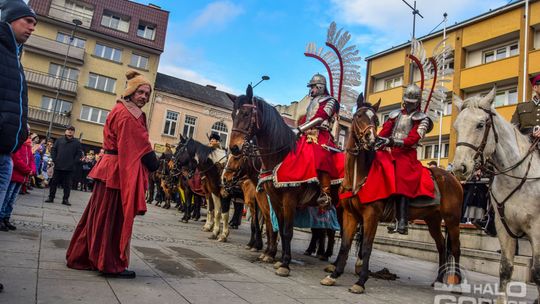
(9,201)
(6,168)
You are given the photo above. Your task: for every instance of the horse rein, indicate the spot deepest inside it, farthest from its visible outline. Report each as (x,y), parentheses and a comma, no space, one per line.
(359,142)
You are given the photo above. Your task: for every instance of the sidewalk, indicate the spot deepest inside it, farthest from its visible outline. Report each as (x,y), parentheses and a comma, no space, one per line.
(177,263)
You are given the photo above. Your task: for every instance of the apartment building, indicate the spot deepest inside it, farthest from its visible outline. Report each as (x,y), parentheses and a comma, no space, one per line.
(96,41)
(499,47)
(181,107)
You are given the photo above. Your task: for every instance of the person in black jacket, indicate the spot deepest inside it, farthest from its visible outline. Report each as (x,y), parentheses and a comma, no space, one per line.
(66,153)
(17,22)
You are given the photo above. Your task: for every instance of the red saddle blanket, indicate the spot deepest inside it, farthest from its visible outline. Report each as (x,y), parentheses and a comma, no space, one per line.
(301,166)
(195,183)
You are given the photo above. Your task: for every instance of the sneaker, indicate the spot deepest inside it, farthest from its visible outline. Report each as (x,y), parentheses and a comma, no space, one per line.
(66,202)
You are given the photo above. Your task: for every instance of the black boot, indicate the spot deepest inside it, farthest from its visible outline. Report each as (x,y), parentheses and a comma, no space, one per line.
(66,202)
(392,227)
(3,226)
(402,225)
(49,200)
(8,224)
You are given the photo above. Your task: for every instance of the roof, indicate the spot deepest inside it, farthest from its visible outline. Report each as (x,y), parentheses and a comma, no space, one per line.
(194,91)
(480,17)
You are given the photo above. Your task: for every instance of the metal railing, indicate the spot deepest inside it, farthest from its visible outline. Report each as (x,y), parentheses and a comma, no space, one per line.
(67,14)
(45,116)
(51,81)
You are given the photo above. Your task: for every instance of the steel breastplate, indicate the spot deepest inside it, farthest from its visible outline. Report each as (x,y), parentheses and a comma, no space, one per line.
(312,109)
(402,126)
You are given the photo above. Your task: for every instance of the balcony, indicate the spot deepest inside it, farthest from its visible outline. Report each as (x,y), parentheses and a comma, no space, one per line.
(492,72)
(53,48)
(51,82)
(388,97)
(66,14)
(44,117)
(534,62)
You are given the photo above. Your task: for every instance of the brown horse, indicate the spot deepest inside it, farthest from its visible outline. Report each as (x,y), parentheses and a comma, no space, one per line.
(240,170)
(254,119)
(357,163)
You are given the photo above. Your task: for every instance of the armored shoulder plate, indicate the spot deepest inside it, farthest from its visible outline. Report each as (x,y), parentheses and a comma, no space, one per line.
(394,114)
(418,116)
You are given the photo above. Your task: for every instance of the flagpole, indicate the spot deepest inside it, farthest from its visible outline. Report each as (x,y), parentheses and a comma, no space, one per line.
(442,112)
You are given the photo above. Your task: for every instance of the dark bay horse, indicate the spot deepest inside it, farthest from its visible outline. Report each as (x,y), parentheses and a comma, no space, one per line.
(209,161)
(253,118)
(243,171)
(360,154)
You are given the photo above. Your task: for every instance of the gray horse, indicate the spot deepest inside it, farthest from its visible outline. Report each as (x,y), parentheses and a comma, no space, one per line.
(487,141)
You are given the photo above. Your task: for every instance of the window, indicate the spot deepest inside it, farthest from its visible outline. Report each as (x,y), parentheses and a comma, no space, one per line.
(384,117)
(342,137)
(108,52)
(69,73)
(427,151)
(221,129)
(139,61)
(94,115)
(102,83)
(505,97)
(62,106)
(171,120)
(65,38)
(393,82)
(431,151)
(146,31)
(500,52)
(115,21)
(189,126)
(447,108)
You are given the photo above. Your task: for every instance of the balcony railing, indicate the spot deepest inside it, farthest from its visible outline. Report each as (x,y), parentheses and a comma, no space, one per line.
(67,14)
(49,81)
(49,47)
(45,116)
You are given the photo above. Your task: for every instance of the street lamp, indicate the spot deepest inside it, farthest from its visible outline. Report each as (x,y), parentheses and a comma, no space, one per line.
(76,23)
(262,79)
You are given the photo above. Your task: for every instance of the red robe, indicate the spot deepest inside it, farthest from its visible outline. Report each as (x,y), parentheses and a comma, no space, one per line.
(102,237)
(301,166)
(397,171)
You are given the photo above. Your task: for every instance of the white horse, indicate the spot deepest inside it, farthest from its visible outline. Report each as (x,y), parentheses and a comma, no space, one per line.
(485,136)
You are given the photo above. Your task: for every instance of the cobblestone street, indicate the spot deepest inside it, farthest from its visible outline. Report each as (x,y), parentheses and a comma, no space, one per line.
(177,263)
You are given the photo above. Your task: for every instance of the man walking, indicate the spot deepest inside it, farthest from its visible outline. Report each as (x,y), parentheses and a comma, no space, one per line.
(65,153)
(17,22)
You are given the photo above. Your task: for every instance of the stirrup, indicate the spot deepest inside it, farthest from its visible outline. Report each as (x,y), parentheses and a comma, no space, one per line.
(392,228)
(324,201)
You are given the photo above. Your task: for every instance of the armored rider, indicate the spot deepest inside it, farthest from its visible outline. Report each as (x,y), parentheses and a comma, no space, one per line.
(527,115)
(401,133)
(317,137)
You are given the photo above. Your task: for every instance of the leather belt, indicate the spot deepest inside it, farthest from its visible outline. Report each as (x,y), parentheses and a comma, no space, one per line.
(111,152)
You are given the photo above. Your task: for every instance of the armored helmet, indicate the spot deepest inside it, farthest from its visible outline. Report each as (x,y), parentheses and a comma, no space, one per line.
(412,94)
(317,79)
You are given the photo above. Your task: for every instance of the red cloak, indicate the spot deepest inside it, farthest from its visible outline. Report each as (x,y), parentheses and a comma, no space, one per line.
(397,171)
(125,180)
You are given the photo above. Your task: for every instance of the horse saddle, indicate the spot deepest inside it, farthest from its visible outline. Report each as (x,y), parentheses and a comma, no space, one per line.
(424,201)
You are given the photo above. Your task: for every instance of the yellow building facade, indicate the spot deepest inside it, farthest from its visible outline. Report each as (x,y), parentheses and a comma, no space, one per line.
(112,38)
(497,48)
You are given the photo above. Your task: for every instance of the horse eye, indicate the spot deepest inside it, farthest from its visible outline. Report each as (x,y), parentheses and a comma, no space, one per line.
(480,125)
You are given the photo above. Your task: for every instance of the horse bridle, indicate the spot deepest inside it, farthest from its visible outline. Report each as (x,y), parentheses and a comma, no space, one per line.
(478,158)
(359,142)
(238,173)
(253,121)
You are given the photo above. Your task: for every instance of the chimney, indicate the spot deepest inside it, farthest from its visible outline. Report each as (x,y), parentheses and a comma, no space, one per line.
(211,86)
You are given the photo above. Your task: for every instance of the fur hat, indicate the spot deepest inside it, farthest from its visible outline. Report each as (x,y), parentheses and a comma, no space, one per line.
(11,10)
(134,80)
(214,136)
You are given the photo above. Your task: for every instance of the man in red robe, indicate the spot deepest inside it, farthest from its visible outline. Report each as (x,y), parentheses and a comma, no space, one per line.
(396,169)
(102,238)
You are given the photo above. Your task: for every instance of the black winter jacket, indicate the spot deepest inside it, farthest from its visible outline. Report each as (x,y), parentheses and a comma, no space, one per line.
(13,94)
(66,153)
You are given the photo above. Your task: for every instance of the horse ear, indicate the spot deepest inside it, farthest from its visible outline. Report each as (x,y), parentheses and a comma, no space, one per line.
(249,92)
(458,102)
(360,101)
(487,100)
(377,105)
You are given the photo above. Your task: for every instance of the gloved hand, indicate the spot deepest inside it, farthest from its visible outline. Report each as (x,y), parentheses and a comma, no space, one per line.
(383,142)
(297,132)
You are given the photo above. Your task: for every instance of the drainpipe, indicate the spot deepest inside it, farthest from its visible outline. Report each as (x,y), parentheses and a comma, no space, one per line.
(526,49)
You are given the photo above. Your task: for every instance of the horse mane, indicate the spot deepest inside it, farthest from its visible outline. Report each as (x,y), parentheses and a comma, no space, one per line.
(282,137)
(202,151)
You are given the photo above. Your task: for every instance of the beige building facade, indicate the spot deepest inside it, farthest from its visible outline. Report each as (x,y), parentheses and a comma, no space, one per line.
(112,38)
(183,108)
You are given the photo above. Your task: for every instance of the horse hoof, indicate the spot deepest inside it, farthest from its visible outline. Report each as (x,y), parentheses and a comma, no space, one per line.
(323,258)
(357,289)
(330,268)
(328,281)
(283,272)
(261,257)
(268,259)
(253,249)
(247,247)
(212,237)
(222,239)
(358,266)
(277,265)
(206,229)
